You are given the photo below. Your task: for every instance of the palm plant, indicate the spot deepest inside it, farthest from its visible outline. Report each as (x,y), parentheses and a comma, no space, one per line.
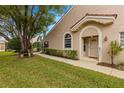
(114,49)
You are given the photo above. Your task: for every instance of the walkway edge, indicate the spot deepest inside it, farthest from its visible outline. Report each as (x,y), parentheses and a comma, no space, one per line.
(87,65)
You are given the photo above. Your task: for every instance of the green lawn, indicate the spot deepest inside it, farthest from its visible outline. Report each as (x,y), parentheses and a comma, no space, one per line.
(42,72)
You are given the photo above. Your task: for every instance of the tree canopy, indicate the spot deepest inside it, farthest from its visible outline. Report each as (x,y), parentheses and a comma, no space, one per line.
(25,22)
(17,20)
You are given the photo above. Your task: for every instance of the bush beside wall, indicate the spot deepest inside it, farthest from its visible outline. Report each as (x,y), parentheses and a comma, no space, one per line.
(71,54)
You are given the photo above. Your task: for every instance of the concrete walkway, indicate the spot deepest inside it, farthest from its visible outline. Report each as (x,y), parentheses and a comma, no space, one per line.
(88,64)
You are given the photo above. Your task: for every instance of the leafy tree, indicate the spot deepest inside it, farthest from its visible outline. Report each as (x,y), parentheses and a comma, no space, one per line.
(14,44)
(114,49)
(25,22)
(36,46)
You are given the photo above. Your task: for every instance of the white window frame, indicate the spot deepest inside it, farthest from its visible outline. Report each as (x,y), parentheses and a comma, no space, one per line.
(64,41)
(120,39)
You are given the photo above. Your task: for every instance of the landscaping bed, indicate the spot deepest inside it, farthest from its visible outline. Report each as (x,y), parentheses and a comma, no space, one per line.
(119,66)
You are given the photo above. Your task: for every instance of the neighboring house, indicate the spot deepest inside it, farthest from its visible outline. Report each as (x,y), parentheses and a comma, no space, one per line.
(89,30)
(34,39)
(2,45)
(37,43)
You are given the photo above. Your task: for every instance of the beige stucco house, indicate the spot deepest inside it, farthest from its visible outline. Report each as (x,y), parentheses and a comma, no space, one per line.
(89,30)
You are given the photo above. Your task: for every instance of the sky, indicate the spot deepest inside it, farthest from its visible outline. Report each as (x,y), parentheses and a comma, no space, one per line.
(58,17)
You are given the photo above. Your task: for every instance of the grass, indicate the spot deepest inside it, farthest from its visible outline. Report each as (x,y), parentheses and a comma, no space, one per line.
(42,72)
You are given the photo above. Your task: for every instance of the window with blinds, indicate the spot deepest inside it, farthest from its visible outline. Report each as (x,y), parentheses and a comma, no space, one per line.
(122,38)
(67,41)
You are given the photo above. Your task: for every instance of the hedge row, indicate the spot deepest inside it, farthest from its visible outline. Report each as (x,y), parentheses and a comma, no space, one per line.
(71,54)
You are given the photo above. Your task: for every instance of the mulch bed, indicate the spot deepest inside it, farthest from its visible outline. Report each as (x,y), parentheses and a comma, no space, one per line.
(106,64)
(119,67)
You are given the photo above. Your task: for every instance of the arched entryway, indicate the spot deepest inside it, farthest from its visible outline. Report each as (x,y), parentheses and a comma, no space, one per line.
(91,43)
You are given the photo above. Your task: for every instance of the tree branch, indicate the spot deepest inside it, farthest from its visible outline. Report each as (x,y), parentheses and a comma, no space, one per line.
(4,36)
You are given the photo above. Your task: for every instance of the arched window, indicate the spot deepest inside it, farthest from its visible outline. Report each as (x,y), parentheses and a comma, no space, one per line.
(67,41)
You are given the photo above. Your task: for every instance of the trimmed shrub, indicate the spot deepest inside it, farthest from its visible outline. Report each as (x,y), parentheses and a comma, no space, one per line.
(14,44)
(71,54)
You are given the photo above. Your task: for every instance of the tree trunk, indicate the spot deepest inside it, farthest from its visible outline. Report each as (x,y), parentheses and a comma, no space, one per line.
(112,61)
(26,50)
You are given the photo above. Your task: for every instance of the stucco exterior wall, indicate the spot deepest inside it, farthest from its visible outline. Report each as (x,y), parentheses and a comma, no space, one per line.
(55,37)
(2,46)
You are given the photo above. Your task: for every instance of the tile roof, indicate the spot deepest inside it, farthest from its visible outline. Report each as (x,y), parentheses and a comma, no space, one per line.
(87,14)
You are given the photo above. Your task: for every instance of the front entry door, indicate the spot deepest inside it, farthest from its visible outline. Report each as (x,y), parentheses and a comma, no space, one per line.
(93,47)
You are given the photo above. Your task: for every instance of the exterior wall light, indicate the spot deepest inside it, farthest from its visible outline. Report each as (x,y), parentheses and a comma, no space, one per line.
(105,38)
